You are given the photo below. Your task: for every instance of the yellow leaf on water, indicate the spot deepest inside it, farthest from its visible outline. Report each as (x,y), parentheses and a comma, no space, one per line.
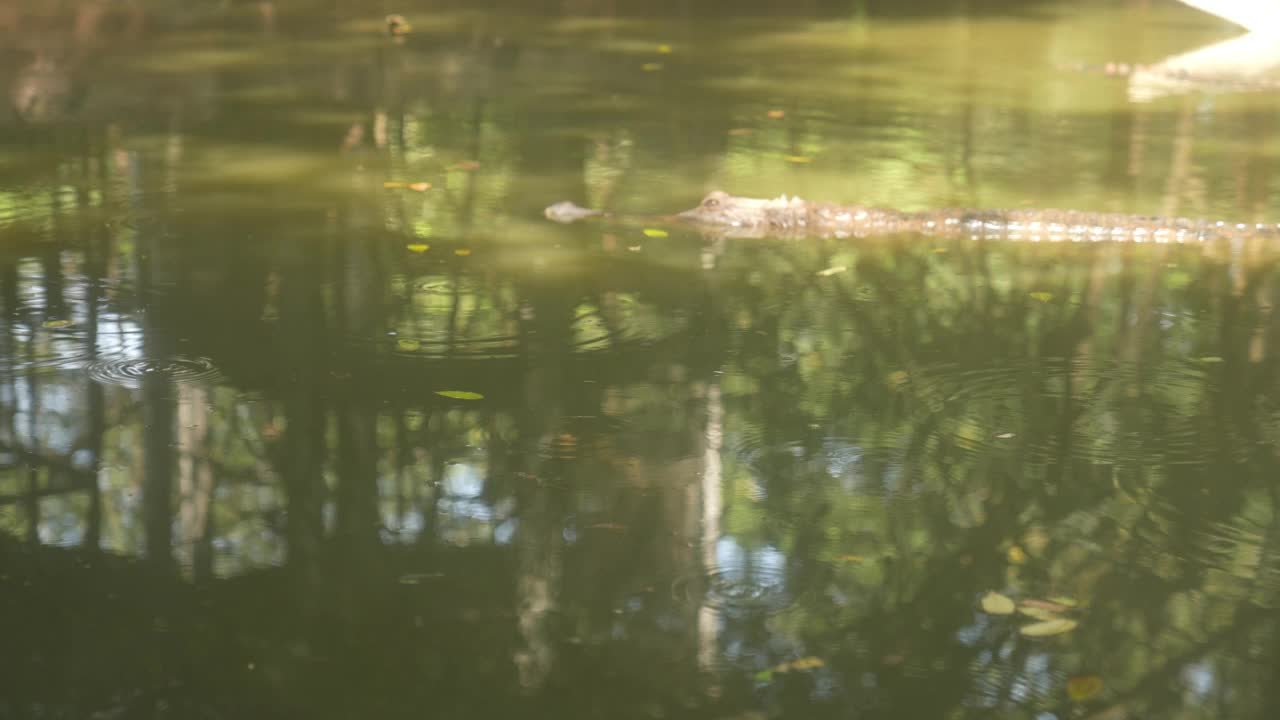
(1047,605)
(1209,359)
(394,185)
(664,49)
(1049,628)
(834,270)
(56,323)
(651,67)
(1042,296)
(655,233)
(993,603)
(1064,601)
(1037,613)
(417,247)
(462,252)
(777,114)
(420,186)
(1017,555)
(1084,687)
(799,159)
(408,345)
(807,663)
(460,394)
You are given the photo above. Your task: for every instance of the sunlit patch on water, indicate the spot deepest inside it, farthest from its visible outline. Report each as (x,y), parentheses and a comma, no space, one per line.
(460,316)
(437,347)
(130,372)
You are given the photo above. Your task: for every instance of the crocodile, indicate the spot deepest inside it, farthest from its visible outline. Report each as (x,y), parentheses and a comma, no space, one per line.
(723,215)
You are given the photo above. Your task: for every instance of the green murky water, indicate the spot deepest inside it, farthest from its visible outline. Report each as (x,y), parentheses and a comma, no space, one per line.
(306,412)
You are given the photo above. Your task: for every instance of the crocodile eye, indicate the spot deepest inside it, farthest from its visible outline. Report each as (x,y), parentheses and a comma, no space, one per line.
(711,202)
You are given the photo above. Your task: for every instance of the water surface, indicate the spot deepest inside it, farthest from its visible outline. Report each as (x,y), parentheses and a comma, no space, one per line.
(306,412)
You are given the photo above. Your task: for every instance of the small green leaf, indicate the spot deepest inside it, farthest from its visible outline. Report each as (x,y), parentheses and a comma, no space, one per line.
(1042,296)
(764,676)
(1209,359)
(56,323)
(460,394)
(655,233)
(408,345)
(417,247)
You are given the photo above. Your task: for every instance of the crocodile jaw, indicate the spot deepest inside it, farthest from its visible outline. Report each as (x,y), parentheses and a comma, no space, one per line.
(720,209)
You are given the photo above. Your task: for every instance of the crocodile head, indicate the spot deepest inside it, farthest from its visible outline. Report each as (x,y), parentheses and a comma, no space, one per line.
(724,210)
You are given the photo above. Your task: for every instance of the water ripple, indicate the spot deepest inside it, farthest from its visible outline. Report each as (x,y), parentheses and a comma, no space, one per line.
(130,372)
(736,588)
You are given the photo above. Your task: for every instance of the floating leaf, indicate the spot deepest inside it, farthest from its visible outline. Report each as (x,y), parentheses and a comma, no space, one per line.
(1084,687)
(764,676)
(834,270)
(635,248)
(462,252)
(651,67)
(1017,555)
(460,394)
(655,233)
(420,186)
(408,345)
(1037,613)
(1042,296)
(1052,606)
(898,378)
(777,114)
(1049,628)
(415,186)
(798,665)
(56,323)
(993,603)
(807,663)
(1208,359)
(664,49)
(799,159)
(417,247)
(1064,601)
